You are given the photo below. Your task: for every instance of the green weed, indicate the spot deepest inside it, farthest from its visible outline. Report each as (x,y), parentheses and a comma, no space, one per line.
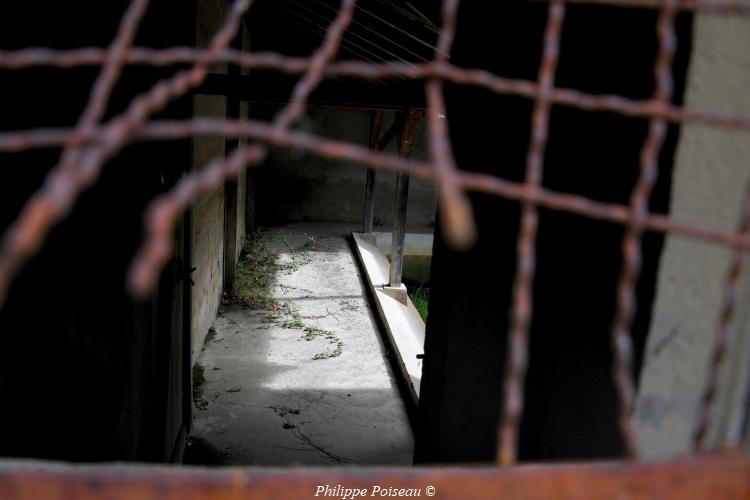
(256,271)
(420,298)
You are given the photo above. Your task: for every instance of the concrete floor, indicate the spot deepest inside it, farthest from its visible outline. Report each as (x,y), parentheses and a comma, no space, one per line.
(266,401)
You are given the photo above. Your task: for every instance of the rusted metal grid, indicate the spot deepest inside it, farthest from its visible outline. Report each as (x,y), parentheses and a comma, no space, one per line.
(87,146)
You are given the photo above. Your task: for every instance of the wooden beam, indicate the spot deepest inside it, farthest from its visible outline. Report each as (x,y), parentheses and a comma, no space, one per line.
(376,122)
(342,93)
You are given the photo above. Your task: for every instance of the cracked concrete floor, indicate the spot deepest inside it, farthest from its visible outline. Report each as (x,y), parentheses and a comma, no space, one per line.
(266,401)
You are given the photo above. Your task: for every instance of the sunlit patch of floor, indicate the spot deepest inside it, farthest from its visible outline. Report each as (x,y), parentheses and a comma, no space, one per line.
(309,382)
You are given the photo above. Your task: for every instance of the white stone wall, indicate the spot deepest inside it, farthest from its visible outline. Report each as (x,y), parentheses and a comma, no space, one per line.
(712,168)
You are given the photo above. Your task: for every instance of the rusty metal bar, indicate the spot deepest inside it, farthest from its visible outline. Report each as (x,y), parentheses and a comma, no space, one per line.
(87,146)
(704,478)
(60,191)
(518,337)
(622,343)
(102,89)
(482,183)
(158,247)
(726,331)
(56,197)
(463,76)
(376,122)
(316,71)
(707,6)
(456,211)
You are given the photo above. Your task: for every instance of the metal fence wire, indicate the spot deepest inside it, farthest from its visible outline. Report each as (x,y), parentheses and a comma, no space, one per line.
(88,145)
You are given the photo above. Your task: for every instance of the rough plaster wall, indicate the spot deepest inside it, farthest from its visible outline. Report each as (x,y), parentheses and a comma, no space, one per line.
(297,186)
(710,174)
(208,213)
(207,230)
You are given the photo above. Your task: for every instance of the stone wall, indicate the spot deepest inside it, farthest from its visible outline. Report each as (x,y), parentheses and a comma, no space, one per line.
(297,186)
(208,213)
(711,171)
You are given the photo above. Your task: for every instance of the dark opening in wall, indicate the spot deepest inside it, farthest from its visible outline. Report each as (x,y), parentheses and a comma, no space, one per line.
(571,407)
(84,369)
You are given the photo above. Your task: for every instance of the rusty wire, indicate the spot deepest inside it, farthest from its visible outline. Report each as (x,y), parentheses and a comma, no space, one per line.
(523,283)
(87,146)
(105,82)
(36,57)
(707,6)
(725,331)
(162,216)
(631,245)
(337,150)
(57,195)
(456,213)
(60,191)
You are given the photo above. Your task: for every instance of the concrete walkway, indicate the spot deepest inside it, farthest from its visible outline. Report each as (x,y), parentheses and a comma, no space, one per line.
(266,401)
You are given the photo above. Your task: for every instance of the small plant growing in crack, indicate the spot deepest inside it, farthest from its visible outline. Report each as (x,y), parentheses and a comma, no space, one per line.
(297,259)
(312,332)
(296,322)
(255,274)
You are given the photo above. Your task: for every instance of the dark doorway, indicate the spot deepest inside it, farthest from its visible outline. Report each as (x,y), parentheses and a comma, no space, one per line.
(571,407)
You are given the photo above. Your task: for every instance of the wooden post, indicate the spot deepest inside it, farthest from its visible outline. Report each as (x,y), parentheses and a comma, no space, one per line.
(231,204)
(399,230)
(250,202)
(376,122)
(407,136)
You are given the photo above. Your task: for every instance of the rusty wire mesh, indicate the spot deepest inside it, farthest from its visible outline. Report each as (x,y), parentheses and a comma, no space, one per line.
(89,144)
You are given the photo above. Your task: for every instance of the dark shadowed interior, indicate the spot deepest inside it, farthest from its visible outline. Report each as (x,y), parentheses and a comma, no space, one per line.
(88,374)
(571,407)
